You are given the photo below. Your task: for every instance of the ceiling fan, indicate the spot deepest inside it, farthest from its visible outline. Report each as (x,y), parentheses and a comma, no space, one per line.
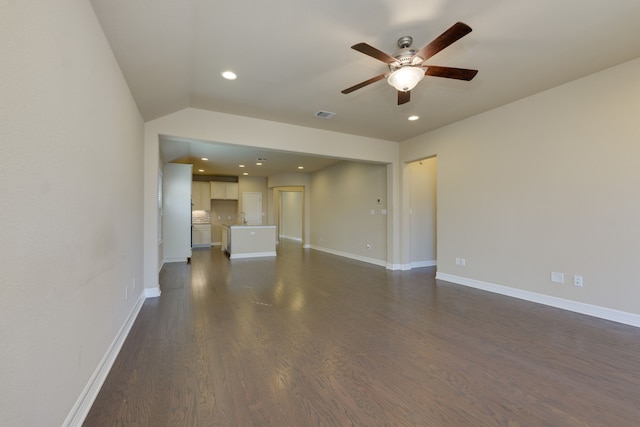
(407,67)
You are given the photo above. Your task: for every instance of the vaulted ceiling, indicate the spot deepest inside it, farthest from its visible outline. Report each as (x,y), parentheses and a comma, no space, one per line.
(293,57)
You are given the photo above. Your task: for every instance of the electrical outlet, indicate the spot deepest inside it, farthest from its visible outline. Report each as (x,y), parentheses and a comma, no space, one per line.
(577,281)
(557,277)
(368,246)
(457,261)
(463,262)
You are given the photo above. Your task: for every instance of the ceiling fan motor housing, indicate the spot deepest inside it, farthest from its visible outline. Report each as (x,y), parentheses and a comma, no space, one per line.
(406,55)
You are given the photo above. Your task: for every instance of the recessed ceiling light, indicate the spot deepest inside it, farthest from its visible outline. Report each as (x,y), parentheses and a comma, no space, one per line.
(229,75)
(245,173)
(300,167)
(258,163)
(241,166)
(200,170)
(204,158)
(413,118)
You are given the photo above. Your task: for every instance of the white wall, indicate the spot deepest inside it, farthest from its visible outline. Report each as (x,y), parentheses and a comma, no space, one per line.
(548,183)
(70,197)
(342,198)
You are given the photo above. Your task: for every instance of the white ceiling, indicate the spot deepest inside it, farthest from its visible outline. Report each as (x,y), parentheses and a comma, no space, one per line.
(293,57)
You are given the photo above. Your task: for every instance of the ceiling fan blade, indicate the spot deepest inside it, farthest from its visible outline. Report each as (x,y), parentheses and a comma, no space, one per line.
(364,83)
(404,97)
(374,53)
(453,34)
(450,72)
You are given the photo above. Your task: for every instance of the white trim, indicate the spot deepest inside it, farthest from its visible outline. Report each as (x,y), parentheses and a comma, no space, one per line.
(575,306)
(252,255)
(166,260)
(421,264)
(381,263)
(296,239)
(161,265)
(84,402)
(201,245)
(250,226)
(152,292)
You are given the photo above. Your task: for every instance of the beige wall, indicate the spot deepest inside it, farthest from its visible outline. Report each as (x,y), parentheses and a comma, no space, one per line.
(342,198)
(71,192)
(548,183)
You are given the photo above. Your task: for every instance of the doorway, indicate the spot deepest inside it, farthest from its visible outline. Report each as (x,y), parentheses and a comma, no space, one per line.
(422,179)
(289,213)
(290,222)
(252,205)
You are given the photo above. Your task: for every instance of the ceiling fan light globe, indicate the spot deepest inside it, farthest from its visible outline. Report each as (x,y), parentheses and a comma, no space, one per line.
(406,78)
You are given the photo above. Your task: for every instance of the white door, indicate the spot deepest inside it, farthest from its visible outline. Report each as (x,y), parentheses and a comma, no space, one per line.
(252,204)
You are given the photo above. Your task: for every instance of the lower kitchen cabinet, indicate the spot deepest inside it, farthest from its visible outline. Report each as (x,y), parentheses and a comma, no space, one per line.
(201,235)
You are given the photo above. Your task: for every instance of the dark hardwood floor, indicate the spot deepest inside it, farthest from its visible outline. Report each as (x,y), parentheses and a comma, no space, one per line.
(312,339)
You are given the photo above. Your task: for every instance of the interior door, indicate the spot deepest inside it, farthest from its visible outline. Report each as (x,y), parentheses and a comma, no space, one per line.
(252,205)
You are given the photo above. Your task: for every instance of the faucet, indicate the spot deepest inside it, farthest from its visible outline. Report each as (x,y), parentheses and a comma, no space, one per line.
(242,219)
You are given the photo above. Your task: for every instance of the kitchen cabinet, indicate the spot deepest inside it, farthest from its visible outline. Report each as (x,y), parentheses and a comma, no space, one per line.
(200,196)
(224,190)
(201,235)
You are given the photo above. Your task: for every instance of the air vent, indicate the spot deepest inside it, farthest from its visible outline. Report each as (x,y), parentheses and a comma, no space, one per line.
(325,115)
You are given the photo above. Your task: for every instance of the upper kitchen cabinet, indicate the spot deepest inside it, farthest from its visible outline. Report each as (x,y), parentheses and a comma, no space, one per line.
(200,196)
(224,190)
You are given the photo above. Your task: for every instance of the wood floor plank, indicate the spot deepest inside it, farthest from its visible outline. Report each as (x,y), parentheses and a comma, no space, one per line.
(313,339)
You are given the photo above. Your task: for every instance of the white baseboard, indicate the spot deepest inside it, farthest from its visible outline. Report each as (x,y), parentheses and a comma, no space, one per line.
(381,263)
(295,239)
(82,406)
(421,264)
(152,292)
(169,260)
(252,255)
(577,307)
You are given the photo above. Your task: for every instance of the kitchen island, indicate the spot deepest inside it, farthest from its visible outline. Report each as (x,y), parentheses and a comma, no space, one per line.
(249,241)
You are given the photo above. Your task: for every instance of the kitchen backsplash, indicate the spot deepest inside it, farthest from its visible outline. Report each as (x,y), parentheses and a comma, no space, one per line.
(200,217)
